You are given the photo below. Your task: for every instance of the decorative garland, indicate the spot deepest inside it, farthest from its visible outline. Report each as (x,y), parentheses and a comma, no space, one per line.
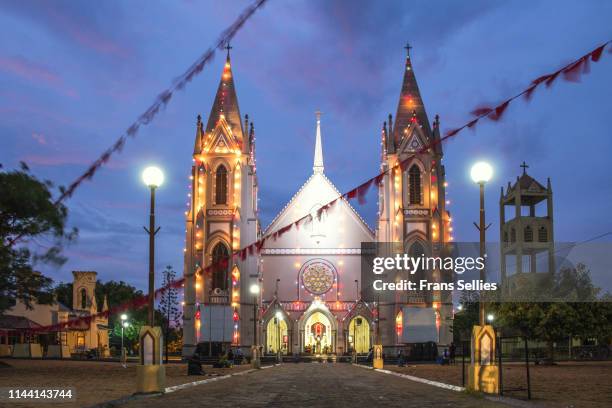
(160,102)
(571,73)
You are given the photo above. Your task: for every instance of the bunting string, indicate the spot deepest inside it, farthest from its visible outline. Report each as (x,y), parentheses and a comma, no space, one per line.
(570,72)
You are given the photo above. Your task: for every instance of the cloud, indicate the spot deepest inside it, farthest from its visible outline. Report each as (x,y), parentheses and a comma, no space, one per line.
(36,73)
(77,22)
(40,138)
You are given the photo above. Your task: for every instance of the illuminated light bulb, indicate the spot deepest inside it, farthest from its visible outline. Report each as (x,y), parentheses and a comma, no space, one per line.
(447,202)
(445,184)
(297,264)
(197,285)
(190,177)
(341,263)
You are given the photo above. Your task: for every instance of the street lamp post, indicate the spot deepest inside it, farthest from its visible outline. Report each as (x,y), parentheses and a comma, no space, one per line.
(123,325)
(150,373)
(481,173)
(483,373)
(279,319)
(254,289)
(153,178)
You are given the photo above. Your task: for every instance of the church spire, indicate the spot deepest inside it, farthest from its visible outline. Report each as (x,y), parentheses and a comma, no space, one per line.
(318,155)
(410,107)
(226,102)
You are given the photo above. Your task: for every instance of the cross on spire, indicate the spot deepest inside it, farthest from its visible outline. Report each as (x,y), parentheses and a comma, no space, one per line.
(525,167)
(228,47)
(408,47)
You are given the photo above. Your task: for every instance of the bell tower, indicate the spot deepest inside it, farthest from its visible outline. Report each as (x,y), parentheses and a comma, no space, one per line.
(84,291)
(222,218)
(412,204)
(526,231)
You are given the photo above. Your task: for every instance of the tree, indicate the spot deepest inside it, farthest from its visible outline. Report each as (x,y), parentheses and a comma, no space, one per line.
(466,317)
(569,306)
(168,306)
(28,215)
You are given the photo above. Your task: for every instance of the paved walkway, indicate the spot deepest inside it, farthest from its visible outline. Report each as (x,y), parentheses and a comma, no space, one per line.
(314,385)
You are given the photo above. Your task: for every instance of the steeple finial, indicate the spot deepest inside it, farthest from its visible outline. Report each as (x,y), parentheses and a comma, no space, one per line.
(228,47)
(318,155)
(525,167)
(408,47)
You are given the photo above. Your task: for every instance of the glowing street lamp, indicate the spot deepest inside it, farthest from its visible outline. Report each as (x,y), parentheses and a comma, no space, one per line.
(254,289)
(279,319)
(153,177)
(124,325)
(490,317)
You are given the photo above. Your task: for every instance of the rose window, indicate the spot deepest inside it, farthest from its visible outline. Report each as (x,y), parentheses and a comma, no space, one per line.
(318,278)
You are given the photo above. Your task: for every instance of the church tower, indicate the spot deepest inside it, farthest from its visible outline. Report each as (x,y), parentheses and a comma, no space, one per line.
(84,291)
(527,231)
(222,218)
(412,205)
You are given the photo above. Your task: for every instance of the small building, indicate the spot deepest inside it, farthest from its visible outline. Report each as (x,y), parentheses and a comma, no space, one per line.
(21,324)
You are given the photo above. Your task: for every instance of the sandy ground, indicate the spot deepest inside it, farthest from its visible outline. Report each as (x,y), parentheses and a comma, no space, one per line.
(94,381)
(572,384)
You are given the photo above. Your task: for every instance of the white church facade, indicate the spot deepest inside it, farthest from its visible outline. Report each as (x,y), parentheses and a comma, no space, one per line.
(309,278)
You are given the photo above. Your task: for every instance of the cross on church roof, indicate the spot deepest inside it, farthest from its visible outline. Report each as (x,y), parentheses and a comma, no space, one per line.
(524,166)
(228,47)
(408,47)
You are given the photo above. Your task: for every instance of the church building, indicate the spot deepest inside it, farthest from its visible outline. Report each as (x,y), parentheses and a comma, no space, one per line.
(308,278)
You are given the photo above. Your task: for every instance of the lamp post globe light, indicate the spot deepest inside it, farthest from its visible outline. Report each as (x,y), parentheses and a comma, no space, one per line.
(254,289)
(481,172)
(153,177)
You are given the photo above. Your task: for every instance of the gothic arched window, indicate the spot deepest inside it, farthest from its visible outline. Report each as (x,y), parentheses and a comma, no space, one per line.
(221,185)
(220,263)
(542,234)
(414,181)
(83,299)
(528,234)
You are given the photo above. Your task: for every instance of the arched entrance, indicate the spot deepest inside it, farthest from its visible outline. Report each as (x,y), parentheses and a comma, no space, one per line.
(276,335)
(359,334)
(318,337)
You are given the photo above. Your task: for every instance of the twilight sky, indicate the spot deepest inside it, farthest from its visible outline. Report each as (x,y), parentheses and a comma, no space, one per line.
(74,76)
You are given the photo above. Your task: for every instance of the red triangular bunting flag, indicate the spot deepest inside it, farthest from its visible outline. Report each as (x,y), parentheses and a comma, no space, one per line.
(596,54)
(482,111)
(499,111)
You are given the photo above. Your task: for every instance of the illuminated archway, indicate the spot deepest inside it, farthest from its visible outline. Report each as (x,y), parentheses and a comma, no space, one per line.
(359,334)
(318,334)
(273,329)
